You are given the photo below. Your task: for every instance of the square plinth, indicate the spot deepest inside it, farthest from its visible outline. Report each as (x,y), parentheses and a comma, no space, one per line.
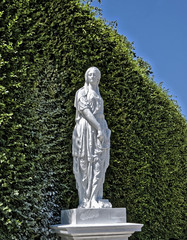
(93,216)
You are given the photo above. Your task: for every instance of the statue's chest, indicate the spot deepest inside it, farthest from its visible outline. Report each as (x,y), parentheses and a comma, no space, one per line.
(95,103)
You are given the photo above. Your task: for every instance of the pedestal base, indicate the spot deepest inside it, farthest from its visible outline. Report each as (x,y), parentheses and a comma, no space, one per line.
(95,224)
(99,232)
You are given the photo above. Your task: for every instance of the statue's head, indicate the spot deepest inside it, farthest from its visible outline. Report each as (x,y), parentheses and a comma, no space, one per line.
(94,70)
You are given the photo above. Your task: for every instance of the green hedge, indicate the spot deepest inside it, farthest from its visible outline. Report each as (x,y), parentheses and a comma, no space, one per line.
(45,48)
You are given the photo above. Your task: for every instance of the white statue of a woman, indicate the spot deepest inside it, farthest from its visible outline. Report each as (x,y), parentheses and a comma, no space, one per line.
(91,143)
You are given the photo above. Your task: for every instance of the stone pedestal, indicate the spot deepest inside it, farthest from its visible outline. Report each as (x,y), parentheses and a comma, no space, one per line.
(95,224)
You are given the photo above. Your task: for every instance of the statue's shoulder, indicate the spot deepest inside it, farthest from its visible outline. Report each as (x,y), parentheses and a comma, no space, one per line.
(80,93)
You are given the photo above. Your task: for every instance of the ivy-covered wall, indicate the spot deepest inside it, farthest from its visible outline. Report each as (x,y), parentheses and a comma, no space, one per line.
(46,47)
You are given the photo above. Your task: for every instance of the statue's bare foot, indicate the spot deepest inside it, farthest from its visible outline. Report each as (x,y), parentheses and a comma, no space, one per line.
(105,203)
(95,204)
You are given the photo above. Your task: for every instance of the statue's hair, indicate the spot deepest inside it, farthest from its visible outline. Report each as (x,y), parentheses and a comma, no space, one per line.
(94,68)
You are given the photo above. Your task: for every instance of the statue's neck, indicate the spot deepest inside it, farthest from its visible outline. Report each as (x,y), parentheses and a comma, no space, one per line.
(93,88)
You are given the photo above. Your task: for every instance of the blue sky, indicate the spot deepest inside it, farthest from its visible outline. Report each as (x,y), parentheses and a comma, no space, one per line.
(158,29)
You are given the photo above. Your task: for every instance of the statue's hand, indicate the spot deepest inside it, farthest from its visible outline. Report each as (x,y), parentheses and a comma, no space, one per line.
(101,136)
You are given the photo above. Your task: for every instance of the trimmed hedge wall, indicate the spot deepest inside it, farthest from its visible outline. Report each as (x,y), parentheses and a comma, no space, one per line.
(45,48)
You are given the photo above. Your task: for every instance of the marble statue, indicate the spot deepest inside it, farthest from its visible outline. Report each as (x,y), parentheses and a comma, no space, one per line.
(91,143)
(94,218)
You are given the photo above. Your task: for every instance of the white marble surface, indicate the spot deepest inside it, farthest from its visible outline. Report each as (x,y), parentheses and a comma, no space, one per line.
(92,224)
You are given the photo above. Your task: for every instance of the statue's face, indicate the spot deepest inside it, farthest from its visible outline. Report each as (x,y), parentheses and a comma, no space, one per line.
(93,77)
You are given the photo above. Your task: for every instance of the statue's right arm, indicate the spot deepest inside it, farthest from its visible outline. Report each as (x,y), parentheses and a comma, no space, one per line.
(88,115)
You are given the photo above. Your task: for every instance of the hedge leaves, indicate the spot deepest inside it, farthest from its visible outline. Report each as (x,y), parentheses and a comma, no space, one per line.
(45,49)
